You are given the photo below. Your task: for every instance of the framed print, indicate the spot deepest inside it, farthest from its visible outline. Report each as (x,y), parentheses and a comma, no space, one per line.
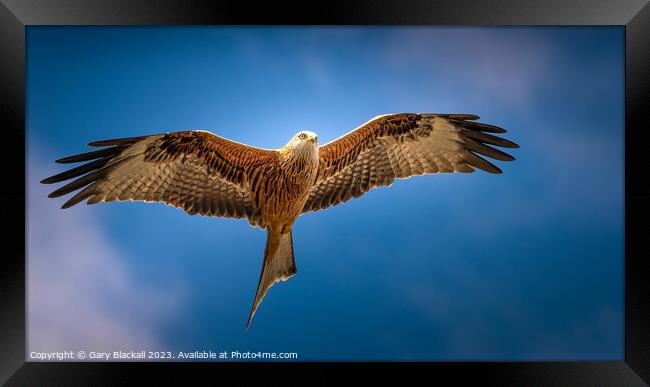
(367,186)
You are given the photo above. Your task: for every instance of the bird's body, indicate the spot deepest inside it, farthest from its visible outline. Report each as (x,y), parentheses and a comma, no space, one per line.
(205,174)
(285,186)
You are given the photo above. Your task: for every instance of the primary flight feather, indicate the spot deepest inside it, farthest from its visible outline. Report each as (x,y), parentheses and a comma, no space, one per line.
(205,174)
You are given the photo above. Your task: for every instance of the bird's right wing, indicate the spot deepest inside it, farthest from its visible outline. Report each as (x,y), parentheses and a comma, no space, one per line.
(397,146)
(197,171)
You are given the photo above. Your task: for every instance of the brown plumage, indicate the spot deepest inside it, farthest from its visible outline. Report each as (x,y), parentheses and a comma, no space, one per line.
(205,174)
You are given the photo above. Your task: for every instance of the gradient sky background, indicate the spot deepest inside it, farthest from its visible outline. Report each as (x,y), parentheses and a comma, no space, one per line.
(527,265)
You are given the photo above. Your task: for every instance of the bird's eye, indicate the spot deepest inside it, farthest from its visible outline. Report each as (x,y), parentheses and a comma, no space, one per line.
(302,136)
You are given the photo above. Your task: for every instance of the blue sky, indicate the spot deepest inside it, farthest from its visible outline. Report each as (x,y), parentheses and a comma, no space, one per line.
(527,265)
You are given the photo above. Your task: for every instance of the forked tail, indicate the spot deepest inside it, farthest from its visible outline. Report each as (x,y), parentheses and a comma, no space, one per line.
(278,265)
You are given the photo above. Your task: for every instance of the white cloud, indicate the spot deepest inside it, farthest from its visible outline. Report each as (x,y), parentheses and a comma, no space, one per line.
(508,67)
(318,71)
(80,293)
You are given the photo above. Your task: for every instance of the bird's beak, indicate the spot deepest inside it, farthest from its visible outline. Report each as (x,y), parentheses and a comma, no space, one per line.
(312,139)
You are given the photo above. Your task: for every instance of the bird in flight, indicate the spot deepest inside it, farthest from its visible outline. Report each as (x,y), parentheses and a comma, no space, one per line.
(206,174)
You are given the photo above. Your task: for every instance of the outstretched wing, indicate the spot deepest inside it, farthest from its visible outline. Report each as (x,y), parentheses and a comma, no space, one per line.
(194,170)
(397,146)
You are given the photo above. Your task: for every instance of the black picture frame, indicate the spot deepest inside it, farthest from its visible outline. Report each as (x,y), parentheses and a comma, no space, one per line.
(16,15)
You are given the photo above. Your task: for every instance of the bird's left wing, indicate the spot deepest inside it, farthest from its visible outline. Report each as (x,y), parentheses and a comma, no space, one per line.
(397,146)
(197,171)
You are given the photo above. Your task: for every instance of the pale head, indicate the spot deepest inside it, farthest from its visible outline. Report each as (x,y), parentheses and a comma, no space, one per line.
(303,144)
(304,138)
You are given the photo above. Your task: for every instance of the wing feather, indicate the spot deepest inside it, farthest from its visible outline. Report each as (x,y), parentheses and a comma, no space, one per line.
(398,146)
(194,170)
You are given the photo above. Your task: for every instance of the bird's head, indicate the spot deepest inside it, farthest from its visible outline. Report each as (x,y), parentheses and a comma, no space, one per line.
(305,137)
(304,140)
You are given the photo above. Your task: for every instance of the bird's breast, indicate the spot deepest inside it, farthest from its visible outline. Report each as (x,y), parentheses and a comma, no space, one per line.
(286,190)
